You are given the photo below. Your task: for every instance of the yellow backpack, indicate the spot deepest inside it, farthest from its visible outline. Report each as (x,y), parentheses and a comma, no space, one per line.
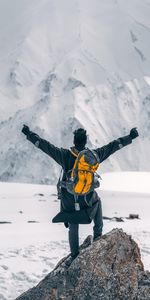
(83,179)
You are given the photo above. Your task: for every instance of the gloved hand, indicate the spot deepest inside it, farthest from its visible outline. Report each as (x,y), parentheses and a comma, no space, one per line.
(134,133)
(25,129)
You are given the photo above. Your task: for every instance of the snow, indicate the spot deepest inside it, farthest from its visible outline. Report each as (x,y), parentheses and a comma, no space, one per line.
(135,182)
(29,251)
(147,79)
(68,64)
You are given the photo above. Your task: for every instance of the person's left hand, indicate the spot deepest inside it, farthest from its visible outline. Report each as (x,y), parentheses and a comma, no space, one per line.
(134,133)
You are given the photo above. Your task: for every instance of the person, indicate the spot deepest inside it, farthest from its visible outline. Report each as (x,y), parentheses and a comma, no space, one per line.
(66,159)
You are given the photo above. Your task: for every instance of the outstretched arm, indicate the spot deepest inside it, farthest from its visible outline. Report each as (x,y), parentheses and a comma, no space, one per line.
(53,151)
(105,151)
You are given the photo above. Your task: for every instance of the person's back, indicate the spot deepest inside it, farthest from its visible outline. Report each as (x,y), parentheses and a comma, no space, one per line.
(89,207)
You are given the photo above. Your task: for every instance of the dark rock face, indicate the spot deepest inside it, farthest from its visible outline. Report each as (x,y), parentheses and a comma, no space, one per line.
(108,269)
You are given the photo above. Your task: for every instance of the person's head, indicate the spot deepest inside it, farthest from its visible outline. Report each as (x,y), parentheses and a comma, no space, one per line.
(80,138)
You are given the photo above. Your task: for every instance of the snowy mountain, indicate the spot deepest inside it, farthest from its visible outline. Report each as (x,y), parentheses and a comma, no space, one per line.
(74,63)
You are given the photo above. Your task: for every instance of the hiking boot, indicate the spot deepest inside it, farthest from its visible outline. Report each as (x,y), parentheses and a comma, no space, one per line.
(87,242)
(75,255)
(70,259)
(96,238)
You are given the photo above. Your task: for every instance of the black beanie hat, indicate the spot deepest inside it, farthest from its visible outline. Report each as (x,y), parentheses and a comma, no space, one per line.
(80,138)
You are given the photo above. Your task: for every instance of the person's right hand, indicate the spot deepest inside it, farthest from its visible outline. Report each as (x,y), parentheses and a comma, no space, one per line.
(25,129)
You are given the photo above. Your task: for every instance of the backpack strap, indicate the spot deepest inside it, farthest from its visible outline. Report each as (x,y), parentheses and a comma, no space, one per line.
(94,154)
(74,152)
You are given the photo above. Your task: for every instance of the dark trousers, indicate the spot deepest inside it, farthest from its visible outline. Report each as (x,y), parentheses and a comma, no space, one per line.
(74,230)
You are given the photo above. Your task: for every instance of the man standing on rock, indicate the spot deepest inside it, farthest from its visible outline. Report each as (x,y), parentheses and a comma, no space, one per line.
(88,208)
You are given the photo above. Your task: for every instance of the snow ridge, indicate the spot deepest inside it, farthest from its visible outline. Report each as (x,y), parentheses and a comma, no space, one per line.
(73,64)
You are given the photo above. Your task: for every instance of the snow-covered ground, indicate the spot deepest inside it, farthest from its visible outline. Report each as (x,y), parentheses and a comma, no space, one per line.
(31,245)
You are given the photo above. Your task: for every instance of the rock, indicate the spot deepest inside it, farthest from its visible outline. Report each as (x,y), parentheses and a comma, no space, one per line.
(5,222)
(108,269)
(106,218)
(133,216)
(118,219)
(121,219)
(144,286)
(32,221)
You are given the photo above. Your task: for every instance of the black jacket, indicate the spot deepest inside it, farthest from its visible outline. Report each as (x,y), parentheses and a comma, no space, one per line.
(66,160)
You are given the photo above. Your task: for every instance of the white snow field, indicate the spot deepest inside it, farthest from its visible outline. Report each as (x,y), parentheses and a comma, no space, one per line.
(30,246)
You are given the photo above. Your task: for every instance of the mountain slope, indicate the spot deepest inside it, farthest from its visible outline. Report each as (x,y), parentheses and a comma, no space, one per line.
(71,64)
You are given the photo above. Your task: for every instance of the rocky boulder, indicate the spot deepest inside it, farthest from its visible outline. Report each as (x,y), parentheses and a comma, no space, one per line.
(107,269)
